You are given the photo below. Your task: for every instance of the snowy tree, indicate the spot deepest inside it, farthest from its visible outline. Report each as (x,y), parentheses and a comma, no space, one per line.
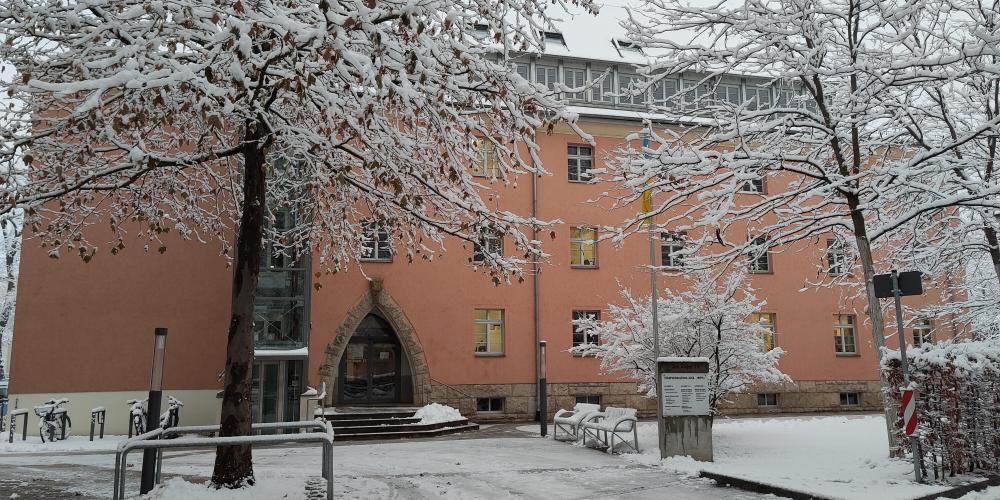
(705,317)
(206,119)
(815,148)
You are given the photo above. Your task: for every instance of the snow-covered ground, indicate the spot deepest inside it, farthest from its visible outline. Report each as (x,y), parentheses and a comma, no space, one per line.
(843,457)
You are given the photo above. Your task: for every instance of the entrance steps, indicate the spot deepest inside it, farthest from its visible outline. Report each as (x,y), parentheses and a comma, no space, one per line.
(369,423)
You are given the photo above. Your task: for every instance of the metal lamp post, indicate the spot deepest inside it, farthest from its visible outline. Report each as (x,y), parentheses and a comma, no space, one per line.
(543,401)
(153,409)
(647,207)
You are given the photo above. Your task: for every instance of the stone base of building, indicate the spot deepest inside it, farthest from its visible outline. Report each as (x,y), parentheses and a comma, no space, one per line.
(518,400)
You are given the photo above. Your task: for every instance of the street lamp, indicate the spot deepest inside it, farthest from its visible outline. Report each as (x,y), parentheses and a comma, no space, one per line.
(153,409)
(543,404)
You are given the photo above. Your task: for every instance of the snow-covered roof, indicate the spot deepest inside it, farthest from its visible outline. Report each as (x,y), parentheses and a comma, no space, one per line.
(594,37)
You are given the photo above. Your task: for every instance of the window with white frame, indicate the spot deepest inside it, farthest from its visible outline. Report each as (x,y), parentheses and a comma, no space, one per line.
(696,94)
(844,334)
(489,405)
(760,256)
(850,399)
(575,78)
(786,98)
(663,92)
(766,322)
(767,399)
(579,160)
(836,257)
(672,249)
(375,245)
(923,332)
(629,86)
(758,97)
(583,247)
(605,90)
(583,335)
(490,243)
(489,331)
(728,93)
(547,75)
(524,70)
(486,163)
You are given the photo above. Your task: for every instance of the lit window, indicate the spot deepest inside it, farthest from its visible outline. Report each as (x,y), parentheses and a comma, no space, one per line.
(486,164)
(850,399)
(489,331)
(760,259)
(494,405)
(575,78)
(579,159)
(628,85)
(766,322)
(843,334)
(375,244)
(767,399)
(923,333)
(672,249)
(836,257)
(582,335)
(547,75)
(491,243)
(583,247)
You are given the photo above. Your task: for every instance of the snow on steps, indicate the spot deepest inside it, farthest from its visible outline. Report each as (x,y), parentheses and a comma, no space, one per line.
(369,423)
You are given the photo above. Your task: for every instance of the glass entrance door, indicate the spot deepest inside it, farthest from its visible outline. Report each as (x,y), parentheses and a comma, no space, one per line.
(274,390)
(384,371)
(370,372)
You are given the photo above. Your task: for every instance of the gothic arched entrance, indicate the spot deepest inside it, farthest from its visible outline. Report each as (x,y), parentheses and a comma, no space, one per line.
(372,367)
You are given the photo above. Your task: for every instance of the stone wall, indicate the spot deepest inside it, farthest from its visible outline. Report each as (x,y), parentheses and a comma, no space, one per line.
(519,399)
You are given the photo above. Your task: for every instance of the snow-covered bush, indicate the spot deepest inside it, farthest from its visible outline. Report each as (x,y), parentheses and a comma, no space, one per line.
(958,404)
(706,318)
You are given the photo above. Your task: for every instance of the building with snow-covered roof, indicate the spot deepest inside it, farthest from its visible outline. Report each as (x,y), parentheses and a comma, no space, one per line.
(390,332)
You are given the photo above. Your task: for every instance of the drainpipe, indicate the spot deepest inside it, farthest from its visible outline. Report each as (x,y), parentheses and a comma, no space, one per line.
(534,297)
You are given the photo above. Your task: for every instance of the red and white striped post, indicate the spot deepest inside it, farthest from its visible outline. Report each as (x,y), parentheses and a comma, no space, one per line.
(909,407)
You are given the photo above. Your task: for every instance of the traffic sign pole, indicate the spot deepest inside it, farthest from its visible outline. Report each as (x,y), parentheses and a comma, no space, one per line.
(907,389)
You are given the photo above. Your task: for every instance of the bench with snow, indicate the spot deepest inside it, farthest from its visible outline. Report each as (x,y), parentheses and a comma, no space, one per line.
(612,423)
(568,421)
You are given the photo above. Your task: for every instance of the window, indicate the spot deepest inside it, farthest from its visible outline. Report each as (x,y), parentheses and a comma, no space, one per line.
(843,333)
(786,98)
(626,46)
(836,257)
(553,36)
(696,94)
(627,84)
(489,405)
(728,93)
(583,336)
(663,92)
(490,243)
(486,163)
(582,247)
(758,97)
(604,91)
(766,321)
(523,69)
(547,75)
(850,399)
(672,249)
(767,399)
(575,78)
(590,399)
(922,332)
(375,244)
(753,186)
(579,159)
(760,258)
(489,331)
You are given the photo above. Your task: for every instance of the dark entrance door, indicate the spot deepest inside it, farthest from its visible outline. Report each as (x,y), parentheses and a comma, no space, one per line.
(370,368)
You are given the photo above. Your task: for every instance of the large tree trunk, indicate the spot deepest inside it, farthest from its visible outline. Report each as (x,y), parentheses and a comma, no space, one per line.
(234,464)
(874,314)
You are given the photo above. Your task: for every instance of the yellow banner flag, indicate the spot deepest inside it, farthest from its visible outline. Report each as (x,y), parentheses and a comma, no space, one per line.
(647,204)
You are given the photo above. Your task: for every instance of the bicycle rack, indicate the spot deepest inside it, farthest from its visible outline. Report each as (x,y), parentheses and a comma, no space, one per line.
(97,416)
(13,424)
(151,439)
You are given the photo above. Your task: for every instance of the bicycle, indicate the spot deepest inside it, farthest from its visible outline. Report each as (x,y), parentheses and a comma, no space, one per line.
(137,416)
(53,421)
(171,417)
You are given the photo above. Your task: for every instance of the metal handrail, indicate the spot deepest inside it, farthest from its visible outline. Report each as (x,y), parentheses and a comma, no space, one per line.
(151,440)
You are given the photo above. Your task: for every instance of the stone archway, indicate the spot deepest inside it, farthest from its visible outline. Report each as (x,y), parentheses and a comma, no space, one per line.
(377,299)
